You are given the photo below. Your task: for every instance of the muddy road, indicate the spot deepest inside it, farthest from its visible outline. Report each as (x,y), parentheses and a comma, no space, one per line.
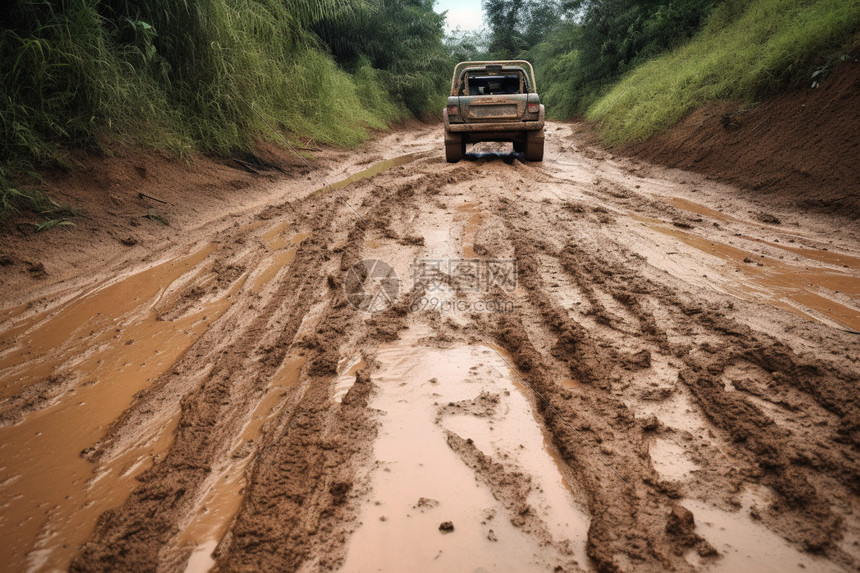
(590,364)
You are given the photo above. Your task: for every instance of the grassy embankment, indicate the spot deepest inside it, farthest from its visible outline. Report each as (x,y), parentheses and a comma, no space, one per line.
(214,77)
(745,51)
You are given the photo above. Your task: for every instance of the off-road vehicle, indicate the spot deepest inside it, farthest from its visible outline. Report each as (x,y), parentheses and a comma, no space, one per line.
(494,101)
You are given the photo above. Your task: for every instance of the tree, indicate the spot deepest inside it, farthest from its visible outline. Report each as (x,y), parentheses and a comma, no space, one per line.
(517,25)
(402,39)
(597,41)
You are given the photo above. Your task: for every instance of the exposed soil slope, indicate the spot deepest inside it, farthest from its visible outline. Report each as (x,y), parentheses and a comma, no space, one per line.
(799,148)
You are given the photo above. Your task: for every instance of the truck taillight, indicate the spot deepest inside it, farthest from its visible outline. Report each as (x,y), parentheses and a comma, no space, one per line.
(453,110)
(533,108)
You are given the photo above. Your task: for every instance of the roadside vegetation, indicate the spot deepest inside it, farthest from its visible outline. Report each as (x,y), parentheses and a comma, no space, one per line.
(639,67)
(214,77)
(746,51)
(218,77)
(581,47)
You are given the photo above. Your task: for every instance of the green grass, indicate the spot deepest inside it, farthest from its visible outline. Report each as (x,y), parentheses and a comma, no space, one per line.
(746,50)
(51,223)
(213,77)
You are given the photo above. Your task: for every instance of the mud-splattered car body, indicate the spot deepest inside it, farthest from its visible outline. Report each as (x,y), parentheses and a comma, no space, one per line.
(494,101)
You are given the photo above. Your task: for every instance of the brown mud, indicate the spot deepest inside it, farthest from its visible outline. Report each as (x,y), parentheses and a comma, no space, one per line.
(670,383)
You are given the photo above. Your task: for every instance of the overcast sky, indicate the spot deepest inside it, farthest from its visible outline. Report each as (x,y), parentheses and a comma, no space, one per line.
(466,14)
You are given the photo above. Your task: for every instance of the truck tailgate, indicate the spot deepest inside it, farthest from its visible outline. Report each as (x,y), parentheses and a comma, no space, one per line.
(493,108)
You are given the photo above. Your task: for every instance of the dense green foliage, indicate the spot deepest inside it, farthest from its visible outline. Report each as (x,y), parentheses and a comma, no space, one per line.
(401,39)
(213,76)
(217,76)
(580,46)
(641,65)
(746,50)
(608,38)
(517,25)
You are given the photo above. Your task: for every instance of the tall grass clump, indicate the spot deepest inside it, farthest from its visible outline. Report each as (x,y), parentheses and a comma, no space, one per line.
(403,41)
(746,50)
(65,79)
(175,75)
(252,71)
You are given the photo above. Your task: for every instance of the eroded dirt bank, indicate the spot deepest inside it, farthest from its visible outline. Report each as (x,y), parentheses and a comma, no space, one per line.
(793,148)
(593,364)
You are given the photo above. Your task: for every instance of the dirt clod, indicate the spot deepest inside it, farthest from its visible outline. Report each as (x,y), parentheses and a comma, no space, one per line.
(37,270)
(768,218)
(426,503)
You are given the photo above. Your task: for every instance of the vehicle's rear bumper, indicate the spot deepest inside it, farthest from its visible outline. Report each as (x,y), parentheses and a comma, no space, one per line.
(507,127)
(488,127)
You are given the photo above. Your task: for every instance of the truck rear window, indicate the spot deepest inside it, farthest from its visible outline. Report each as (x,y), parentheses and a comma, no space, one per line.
(487,85)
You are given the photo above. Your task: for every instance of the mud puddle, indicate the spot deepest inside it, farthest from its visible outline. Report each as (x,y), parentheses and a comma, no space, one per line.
(473,215)
(804,290)
(220,502)
(670,460)
(830,257)
(374,169)
(699,209)
(696,208)
(108,345)
(13,312)
(346,380)
(430,399)
(822,255)
(12,327)
(282,247)
(745,545)
(33,351)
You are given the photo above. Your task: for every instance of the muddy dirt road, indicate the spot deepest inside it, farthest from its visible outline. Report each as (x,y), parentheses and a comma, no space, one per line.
(593,364)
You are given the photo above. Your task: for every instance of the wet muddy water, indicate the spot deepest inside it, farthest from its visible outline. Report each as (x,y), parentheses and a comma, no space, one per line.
(111,344)
(472,214)
(420,482)
(208,520)
(374,169)
(746,545)
(805,289)
(459,435)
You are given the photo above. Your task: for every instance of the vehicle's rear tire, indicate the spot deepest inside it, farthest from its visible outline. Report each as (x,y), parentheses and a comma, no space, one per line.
(519,146)
(455,147)
(534,145)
